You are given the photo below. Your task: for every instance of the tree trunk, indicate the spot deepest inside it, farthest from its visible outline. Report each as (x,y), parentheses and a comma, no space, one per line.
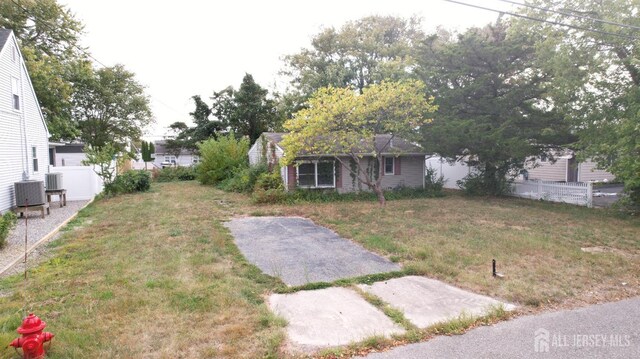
(380,194)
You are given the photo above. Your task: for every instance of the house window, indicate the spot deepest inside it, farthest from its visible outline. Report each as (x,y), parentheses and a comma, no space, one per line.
(316,175)
(34,155)
(15,90)
(389,165)
(170,159)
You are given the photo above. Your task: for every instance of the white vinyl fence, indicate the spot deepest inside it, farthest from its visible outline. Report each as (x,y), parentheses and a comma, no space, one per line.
(81,182)
(578,193)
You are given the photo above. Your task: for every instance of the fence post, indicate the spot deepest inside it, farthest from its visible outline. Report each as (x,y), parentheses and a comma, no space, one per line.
(590,194)
(539,189)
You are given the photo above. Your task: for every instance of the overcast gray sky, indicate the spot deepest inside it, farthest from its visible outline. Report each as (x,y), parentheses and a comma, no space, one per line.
(181,48)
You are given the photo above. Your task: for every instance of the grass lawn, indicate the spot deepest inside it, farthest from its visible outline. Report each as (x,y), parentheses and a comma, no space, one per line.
(156,274)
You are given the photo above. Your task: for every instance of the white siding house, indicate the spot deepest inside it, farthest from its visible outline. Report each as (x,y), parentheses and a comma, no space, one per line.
(166,158)
(24,146)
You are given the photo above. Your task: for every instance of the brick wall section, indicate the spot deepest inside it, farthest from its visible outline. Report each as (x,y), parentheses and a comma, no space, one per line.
(291,177)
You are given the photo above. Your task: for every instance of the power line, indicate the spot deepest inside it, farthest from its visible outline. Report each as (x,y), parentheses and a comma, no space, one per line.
(572,15)
(35,20)
(543,20)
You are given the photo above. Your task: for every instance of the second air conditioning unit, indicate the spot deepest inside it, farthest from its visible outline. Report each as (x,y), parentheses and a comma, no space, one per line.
(53,181)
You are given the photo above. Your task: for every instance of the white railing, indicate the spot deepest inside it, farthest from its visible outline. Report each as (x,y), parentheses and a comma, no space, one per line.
(578,193)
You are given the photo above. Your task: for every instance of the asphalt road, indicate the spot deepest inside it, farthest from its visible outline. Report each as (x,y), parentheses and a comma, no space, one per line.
(609,330)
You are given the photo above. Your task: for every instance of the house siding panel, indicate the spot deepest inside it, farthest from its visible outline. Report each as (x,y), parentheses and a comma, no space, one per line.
(411,175)
(15,153)
(548,171)
(587,171)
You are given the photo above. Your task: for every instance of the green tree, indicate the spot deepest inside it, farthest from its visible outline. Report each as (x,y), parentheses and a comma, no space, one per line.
(204,129)
(251,112)
(220,158)
(342,122)
(147,149)
(597,77)
(110,107)
(49,36)
(493,109)
(361,53)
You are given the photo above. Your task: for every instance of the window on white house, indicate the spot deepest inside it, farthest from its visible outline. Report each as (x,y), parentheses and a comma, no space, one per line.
(316,174)
(15,91)
(389,164)
(34,156)
(170,159)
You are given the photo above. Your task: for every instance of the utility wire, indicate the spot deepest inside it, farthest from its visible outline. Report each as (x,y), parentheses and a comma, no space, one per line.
(572,14)
(543,20)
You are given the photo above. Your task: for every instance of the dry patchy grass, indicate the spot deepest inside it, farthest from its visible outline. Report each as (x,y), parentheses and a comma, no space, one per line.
(537,245)
(153,276)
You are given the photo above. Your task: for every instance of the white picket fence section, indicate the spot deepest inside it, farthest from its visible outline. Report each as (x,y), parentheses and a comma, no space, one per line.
(81,182)
(578,193)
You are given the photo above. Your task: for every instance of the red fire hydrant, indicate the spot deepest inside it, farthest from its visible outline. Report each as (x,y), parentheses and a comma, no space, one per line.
(33,338)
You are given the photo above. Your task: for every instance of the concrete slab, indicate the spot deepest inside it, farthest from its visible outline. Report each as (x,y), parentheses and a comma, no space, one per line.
(427,301)
(329,317)
(298,251)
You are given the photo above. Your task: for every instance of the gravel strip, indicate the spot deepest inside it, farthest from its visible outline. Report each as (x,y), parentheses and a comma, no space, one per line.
(38,229)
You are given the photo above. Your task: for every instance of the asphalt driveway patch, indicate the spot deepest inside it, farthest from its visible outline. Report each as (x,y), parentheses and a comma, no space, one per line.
(298,251)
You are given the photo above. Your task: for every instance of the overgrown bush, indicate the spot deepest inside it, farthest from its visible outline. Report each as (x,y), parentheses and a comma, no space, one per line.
(243,180)
(432,182)
(269,188)
(483,183)
(269,180)
(222,158)
(7,222)
(129,182)
(171,174)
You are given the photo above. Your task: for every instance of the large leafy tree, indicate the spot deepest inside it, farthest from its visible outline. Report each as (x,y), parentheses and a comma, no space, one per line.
(359,54)
(49,35)
(110,106)
(493,110)
(342,122)
(205,127)
(597,76)
(251,111)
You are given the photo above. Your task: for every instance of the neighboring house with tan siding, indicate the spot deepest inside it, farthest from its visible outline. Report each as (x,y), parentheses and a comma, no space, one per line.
(404,165)
(567,169)
(24,137)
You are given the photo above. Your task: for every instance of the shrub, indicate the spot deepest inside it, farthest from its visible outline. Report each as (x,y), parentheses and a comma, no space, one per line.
(243,180)
(7,222)
(171,174)
(485,184)
(433,183)
(272,195)
(269,180)
(221,158)
(129,182)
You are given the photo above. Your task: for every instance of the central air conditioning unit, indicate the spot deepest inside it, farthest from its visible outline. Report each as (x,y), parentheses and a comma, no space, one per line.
(53,181)
(31,191)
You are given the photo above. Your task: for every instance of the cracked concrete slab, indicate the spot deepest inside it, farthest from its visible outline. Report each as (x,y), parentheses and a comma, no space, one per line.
(425,301)
(329,317)
(298,251)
